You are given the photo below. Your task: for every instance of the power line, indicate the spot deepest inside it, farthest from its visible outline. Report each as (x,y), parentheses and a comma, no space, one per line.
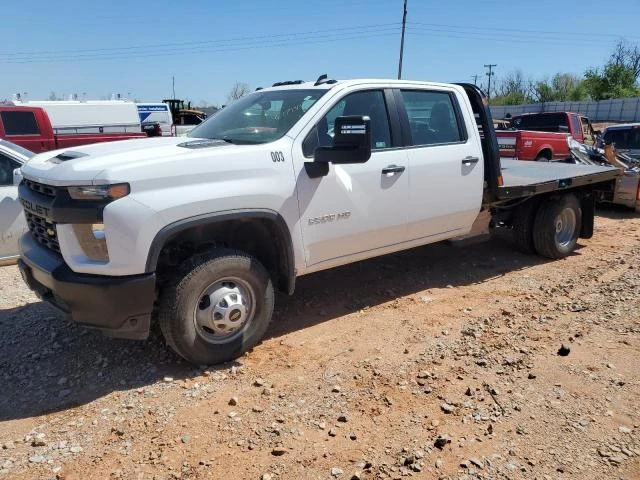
(589,35)
(296,35)
(493,38)
(200,50)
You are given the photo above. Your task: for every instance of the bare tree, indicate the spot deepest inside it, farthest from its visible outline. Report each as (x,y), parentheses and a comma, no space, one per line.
(239,90)
(628,56)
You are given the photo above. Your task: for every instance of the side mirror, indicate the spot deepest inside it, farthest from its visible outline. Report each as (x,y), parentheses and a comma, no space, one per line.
(351,141)
(17,176)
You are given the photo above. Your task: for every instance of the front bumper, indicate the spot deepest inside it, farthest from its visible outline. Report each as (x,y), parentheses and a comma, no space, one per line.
(118,306)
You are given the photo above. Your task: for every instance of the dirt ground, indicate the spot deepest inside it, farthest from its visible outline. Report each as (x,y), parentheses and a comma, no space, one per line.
(440,362)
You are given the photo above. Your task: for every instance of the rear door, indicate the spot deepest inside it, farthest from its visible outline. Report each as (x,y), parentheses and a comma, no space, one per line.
(445,163)
(21,127)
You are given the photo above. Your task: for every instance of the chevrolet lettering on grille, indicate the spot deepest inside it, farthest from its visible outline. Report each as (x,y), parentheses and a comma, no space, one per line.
(35,208)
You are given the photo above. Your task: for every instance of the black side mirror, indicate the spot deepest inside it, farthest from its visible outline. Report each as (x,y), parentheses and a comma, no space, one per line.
(351,141)
(351,144)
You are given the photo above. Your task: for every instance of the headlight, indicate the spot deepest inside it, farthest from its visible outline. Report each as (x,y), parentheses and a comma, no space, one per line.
(99,192)
(92,240)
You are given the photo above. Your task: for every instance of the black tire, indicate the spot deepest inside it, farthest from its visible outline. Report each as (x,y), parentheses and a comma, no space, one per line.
(557,213)
(542,158)
(523,219)
(181,301)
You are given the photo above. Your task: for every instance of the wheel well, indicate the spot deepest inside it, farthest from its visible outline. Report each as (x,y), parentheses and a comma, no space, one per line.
(261,238)
(545,152)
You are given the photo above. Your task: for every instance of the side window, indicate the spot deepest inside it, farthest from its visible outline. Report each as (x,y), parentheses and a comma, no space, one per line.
(432,117)
(575,124)
(7,166)
(587,130)
(370,103)
(19,123)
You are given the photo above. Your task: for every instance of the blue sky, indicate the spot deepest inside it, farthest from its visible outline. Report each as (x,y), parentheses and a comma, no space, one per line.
(134,47)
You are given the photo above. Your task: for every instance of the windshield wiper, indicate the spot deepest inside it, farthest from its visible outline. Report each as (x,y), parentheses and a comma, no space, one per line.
(239,141)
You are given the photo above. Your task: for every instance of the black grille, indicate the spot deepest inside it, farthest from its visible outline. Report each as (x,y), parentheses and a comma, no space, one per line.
(47,190)
(43,231)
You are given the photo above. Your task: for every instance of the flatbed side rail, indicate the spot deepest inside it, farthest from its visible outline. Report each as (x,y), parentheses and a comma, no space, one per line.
(510,192)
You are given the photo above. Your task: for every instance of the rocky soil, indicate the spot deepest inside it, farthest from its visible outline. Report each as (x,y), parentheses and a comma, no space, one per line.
(443,362)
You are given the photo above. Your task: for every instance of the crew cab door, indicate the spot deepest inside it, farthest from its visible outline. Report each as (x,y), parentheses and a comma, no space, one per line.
(446,170)
(12,222)
(356,209)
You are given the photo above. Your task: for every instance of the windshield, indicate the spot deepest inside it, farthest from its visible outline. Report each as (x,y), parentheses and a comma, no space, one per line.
(17,148)
(627,138)
(260,117)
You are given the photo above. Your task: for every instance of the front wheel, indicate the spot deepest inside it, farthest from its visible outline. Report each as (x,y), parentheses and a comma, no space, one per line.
(557,227)
(218,307)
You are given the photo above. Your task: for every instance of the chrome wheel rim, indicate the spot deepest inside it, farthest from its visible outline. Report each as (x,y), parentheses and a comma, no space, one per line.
(565,227)
(224,310)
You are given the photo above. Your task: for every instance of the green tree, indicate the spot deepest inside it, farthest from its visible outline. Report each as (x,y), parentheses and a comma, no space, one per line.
(613,81)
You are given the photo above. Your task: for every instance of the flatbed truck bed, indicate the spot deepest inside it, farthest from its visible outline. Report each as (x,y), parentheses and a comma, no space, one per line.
(523,179)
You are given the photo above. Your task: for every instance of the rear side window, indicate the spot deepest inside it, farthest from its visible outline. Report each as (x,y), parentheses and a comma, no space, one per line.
(19,123)
(548,122)
(432,118)
(624,138)
(575,124)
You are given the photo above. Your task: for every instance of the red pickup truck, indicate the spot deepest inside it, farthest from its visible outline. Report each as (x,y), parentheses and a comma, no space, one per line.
(31,128)
(543,136)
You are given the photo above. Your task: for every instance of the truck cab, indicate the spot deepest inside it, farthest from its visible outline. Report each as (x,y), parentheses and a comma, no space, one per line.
(28,127)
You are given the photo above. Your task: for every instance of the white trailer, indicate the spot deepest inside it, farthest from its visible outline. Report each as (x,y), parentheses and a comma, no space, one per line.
(89,117)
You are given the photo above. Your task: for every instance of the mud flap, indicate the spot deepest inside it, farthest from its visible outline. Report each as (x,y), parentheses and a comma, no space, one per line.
(588,206)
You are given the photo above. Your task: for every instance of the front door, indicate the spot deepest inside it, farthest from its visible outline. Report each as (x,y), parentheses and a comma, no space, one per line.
(356,209)
(12,222)
(446,165)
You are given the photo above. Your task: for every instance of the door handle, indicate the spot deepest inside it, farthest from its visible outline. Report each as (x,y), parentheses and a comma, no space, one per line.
(469,160)
(392,170)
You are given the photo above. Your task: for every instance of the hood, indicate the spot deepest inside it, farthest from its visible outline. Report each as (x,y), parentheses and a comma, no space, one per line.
(83,164)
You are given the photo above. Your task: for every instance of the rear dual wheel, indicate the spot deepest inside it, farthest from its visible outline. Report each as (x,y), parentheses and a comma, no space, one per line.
(557,227)
(550,228)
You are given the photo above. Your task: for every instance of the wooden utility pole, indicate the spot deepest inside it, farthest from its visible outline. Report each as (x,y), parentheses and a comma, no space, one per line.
(173,84)
(490,74)
(404,24)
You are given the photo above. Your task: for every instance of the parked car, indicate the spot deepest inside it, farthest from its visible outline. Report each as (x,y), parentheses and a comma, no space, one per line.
(12,223)
(543,136)
(201,230)
(625,138)
(43,128)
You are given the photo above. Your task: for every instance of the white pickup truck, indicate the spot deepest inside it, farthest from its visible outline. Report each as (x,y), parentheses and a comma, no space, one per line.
(199,231)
